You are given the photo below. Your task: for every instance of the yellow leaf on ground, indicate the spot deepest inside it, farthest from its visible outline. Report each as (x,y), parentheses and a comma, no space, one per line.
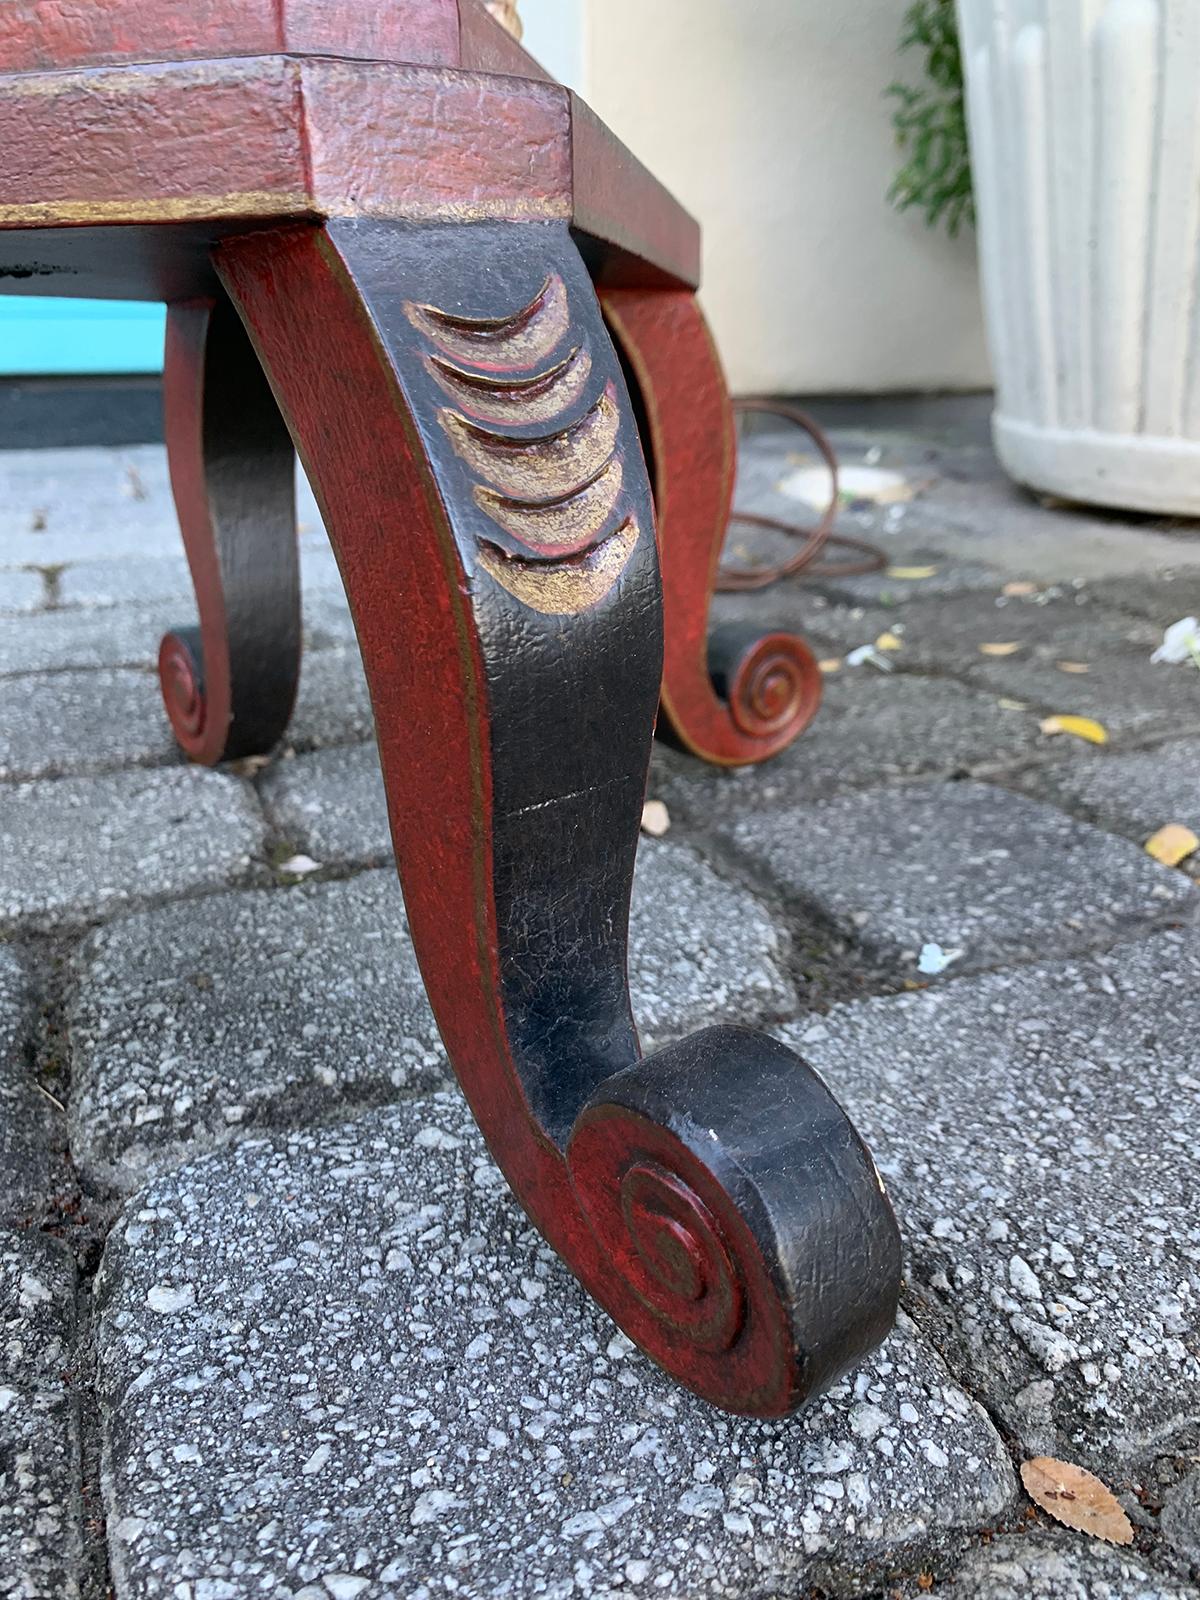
(656,819)
(1077,1498)
(1081,727)
(1172,844)
(1016,590)
(912,574)
(1073,666)
(889,641)
(830,664)
(999,649)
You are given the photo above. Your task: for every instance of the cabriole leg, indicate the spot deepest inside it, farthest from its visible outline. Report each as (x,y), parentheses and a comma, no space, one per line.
(229,685)
(466,428)
(736,696)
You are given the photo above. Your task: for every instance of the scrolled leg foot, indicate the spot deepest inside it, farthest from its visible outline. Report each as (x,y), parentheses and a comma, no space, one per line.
(228,686)
(732,1195)
(733,708)
(464,421)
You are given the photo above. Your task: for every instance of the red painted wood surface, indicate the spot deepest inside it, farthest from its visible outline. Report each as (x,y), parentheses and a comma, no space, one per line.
(772,683)
(55,34)
(229,685)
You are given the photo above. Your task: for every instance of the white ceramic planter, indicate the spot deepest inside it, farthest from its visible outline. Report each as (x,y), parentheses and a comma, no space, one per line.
(1085,139)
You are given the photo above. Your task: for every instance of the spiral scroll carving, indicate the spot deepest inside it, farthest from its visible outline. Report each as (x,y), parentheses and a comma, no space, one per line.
(681,1267)
(776,688)
(181,680)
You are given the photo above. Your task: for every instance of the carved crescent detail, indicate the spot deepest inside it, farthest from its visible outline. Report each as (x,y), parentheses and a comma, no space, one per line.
(557,495)
(500,344)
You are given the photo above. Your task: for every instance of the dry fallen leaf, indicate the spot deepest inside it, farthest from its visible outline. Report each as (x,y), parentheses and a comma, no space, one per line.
(889,641)
(912,574)
(656,819)
(1016,590)
(1172,844)
(1081,727)
(1012,705)
(1077,1498)
(999,649)
(830,664)
(1073,666)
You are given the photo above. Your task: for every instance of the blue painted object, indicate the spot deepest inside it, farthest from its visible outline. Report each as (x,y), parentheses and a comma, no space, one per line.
(56,336)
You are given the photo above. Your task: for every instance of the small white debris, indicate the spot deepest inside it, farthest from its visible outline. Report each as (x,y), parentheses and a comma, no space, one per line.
(933,959)
(1181,642)
(436,1139)
(811,486)
(868,655)
(168,1298)
(7,1396)
(656,819)
(299,866)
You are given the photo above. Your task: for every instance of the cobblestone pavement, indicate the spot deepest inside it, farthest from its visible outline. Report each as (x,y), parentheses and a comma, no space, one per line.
(271,1324)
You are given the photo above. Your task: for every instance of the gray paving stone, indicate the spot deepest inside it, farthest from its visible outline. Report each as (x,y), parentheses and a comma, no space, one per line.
(1133,794)
(333,706)
(129,635)
(60,724)
(1121,687)
(331,804)
(21,591)
(1161,598)
(967,866)
(132,581)
(29,1129)
(40,1505)
(1180,1520)
(52,641)
(345,1365)
(60,506)
(1036,1130)
(195,1023)
(82,848)
(1028,1567)
(872,729)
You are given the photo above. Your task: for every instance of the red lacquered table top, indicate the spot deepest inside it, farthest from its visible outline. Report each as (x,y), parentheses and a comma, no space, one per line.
(135,133)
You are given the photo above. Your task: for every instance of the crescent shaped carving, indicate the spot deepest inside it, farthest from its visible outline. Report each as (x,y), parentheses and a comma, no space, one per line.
(515,402)
(500,344)
(563,588)
(539,470)
(562,527)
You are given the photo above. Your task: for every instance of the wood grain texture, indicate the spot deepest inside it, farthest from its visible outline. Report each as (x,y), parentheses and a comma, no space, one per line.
(739,696)
(713,1197)
(229,685)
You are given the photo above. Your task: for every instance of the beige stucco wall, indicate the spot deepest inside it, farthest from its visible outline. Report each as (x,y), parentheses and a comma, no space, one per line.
(767,118)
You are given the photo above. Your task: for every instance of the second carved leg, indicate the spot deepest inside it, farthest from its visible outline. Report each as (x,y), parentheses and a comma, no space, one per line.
(734,696)
(230,683)
(465,424)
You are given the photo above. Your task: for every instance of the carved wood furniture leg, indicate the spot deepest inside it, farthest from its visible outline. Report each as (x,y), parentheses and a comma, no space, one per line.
(738,696)
(466,427)
(229,685)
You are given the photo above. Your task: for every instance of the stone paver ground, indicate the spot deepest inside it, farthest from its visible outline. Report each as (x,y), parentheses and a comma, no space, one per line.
(271,1324)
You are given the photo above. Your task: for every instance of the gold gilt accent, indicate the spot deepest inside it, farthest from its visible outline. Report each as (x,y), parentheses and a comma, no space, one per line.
(517,402)
(500,344)
(561,527)
(565,588)
(538,470)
